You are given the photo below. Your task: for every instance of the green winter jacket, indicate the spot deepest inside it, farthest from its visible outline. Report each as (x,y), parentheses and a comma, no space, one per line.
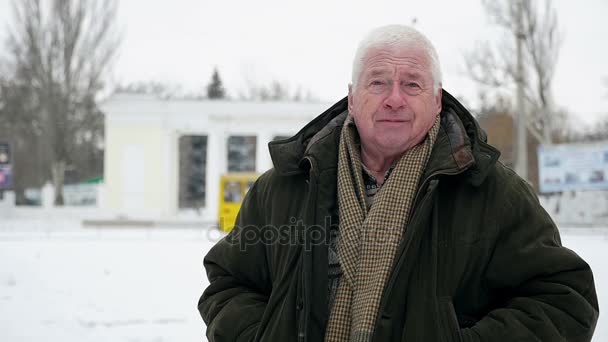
(480,260)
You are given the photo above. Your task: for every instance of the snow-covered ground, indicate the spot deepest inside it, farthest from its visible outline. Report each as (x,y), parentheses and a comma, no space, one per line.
(94,285)
(60,282)
(593,247)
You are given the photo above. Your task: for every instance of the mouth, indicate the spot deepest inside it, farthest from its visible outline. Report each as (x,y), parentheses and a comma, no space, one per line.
(392,122)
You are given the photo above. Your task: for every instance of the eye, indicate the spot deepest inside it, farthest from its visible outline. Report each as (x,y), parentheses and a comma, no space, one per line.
(412,88)
(377,86)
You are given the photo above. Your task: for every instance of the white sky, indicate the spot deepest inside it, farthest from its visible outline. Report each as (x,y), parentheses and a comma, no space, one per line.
(311,43)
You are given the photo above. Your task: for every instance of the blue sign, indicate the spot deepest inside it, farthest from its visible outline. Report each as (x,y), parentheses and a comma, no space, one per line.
(573,167)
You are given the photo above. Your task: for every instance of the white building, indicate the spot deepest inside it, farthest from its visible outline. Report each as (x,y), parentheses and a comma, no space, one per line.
(142,161)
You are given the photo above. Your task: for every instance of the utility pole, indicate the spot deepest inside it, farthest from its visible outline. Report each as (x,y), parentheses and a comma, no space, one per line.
(521,152)
(547,122)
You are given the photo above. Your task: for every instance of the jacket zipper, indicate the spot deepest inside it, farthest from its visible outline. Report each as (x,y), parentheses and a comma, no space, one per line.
(305,311)
(401,251)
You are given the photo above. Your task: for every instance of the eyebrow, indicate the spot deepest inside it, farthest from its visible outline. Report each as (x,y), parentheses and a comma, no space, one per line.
(381,72)
(413,75)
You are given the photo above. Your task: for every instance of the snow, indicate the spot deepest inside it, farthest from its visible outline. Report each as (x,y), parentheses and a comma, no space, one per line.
(61,282)
(592,245)
(94,285)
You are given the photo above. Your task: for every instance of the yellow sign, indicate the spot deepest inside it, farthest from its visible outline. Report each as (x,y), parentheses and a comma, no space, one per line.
(233,187)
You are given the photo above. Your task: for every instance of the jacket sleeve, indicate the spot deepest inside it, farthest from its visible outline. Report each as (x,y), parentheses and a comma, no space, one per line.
(548,290)
(239,283)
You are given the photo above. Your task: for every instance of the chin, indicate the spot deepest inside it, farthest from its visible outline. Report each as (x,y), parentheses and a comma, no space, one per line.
(392,145)
(393,141)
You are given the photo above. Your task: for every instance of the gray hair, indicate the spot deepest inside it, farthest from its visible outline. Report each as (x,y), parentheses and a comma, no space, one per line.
(401,36)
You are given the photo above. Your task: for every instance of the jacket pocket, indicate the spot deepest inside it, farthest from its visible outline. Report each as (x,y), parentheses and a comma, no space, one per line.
(450,330)
(384,328)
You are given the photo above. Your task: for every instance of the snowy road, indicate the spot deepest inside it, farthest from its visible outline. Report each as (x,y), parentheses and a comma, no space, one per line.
(72,284)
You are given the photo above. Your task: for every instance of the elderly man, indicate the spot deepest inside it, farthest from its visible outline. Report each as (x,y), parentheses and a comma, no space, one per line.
(389,218)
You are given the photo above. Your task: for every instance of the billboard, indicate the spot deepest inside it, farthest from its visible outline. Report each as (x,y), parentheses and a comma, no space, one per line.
(573,167)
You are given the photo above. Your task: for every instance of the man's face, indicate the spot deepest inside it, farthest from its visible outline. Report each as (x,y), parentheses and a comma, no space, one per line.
(393,103)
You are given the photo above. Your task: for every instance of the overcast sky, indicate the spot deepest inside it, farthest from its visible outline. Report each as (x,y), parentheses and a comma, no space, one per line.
(311,43)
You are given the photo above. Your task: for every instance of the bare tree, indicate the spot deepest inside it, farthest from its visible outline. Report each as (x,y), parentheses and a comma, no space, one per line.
(275,91)
(493,67)
(60,50)
(598,131)
(160,90)
(279,91)
(22,133)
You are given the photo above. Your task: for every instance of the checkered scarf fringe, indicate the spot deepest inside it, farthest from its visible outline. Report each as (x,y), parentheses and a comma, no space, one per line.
(368,241)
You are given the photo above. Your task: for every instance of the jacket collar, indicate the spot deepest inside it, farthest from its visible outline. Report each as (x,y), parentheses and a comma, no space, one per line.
(288,156)
(461,144)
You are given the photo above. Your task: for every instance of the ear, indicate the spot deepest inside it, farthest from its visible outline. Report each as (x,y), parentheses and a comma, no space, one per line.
(438,100)
(350,98)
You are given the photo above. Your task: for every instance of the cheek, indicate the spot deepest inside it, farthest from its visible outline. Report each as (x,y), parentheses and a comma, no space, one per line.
(363,104)
(370,106)
(362,108)
(425,116)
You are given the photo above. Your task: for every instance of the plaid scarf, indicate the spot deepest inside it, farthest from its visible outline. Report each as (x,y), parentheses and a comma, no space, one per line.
(368,241)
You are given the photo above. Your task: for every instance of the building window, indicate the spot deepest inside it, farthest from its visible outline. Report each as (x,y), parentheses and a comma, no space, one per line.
(192,171)
(241,153)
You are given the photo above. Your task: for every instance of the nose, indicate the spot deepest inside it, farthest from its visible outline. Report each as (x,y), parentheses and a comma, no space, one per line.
(395,99)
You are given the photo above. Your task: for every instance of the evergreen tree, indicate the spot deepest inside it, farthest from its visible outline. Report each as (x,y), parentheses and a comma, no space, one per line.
(215,89)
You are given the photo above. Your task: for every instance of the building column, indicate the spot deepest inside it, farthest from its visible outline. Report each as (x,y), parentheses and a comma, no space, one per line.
(216,166)
(172,173)
(263,161)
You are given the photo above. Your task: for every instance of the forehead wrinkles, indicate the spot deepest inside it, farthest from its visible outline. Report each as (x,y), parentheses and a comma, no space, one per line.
(383,60)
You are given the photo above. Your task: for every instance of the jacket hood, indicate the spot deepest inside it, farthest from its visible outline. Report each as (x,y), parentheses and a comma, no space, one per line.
(461,144)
